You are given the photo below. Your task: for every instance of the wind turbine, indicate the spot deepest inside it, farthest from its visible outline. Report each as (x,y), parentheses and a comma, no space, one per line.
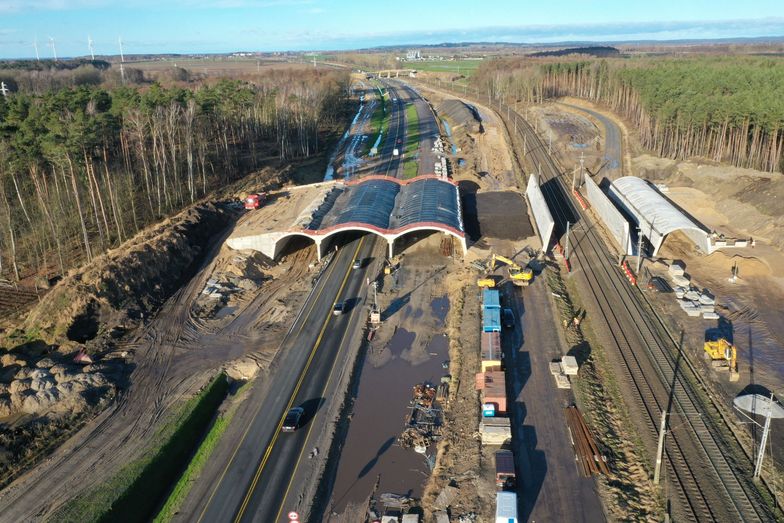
(35,45)
(90,46)
(122,59)
(54,49)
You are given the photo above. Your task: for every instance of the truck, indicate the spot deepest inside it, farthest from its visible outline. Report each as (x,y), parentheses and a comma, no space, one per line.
(254,200)
(505,478)
(505,507)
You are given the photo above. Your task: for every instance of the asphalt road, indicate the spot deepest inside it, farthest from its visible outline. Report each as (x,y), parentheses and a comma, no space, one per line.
(551,486)
(612,166)
(396,132)
(255,481)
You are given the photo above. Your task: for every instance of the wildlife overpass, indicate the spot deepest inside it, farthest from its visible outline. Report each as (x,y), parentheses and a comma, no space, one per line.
(388,207)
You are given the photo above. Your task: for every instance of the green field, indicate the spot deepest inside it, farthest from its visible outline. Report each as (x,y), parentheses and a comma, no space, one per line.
(464,67)
(410,160)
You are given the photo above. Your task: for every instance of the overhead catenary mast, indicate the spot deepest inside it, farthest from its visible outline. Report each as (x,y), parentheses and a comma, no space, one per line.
(90,46)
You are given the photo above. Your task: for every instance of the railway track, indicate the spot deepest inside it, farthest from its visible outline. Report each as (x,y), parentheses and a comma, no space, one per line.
(705,480)
(707,477)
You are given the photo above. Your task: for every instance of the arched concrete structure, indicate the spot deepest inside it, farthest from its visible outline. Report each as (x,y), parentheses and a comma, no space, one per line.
(381,205)
(284,240)
(655,215)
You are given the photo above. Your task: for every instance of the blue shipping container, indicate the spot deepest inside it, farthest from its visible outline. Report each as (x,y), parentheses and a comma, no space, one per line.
(491,320)
(491,299)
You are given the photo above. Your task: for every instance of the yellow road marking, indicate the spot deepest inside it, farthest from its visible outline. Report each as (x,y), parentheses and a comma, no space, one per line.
(310,427)
(267,453)
(245,434)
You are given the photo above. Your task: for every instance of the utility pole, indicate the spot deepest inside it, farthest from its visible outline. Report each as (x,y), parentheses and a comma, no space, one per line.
(660,448)
(91,48)
(525,145)
(764,441)
(582,167)
(566,250)
(574,175)
(639,249)
(550,144)
(540,172)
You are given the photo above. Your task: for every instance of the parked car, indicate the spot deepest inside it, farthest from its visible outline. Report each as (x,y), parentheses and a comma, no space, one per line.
(292,420)
(339,308)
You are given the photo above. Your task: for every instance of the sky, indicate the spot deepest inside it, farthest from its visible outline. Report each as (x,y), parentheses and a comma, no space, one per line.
(203,26)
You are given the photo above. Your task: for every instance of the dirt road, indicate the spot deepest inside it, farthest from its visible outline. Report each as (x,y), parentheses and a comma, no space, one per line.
(175,355)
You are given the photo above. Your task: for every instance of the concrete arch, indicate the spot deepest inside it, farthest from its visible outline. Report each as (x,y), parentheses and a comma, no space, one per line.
(322,241)
(444,230)
(655,215)
(284,240)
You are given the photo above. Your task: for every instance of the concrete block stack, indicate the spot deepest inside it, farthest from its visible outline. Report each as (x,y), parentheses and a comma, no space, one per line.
(693,301)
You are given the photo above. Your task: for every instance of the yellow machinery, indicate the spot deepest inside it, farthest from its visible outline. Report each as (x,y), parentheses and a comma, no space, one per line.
(723,355)
(520,276)
(486,282)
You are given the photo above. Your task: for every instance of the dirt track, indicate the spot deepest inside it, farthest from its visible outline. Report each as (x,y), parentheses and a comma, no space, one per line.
(175,355)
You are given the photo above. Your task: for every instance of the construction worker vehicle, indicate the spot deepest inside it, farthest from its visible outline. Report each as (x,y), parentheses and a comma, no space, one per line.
(520,276)
(723,356)
(488,283)
(254,201)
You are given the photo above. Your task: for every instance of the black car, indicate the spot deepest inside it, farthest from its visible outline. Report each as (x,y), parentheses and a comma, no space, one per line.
(339,308)
(293,417)
(507,316)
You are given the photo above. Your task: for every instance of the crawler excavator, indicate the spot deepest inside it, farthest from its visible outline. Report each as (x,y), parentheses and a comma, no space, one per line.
(723,355)
(520,276)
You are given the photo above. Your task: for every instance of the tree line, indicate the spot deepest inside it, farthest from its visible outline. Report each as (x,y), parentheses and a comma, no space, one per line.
(727,109)
(82,169)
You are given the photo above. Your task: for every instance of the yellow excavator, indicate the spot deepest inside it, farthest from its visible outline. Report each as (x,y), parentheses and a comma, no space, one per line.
(723,355)
(487,282)
(520,276)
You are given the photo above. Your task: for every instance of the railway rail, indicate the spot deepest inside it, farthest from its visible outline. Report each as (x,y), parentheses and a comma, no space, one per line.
(708,478)
(707,482)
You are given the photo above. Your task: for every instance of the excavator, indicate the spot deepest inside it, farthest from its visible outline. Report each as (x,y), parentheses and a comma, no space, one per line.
(723,355)
(520,276)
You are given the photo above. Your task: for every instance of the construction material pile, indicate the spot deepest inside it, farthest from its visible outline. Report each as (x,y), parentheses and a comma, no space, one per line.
(423,426)
(589,459)
(693,301)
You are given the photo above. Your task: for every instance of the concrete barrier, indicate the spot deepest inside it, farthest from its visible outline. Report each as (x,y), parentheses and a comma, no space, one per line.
(542,216)
(613,220)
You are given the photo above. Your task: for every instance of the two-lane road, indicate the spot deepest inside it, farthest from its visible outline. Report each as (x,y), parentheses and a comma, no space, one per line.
(253,484)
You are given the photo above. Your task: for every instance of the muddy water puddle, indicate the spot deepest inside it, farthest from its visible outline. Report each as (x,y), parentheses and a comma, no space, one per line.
(370,451)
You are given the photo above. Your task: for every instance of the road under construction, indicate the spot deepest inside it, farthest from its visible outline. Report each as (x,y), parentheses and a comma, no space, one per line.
(708,474)
(357,225)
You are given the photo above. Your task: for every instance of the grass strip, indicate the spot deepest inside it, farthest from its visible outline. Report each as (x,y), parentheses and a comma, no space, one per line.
(137,490)
(379,121)
(203,453)
(411,160)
